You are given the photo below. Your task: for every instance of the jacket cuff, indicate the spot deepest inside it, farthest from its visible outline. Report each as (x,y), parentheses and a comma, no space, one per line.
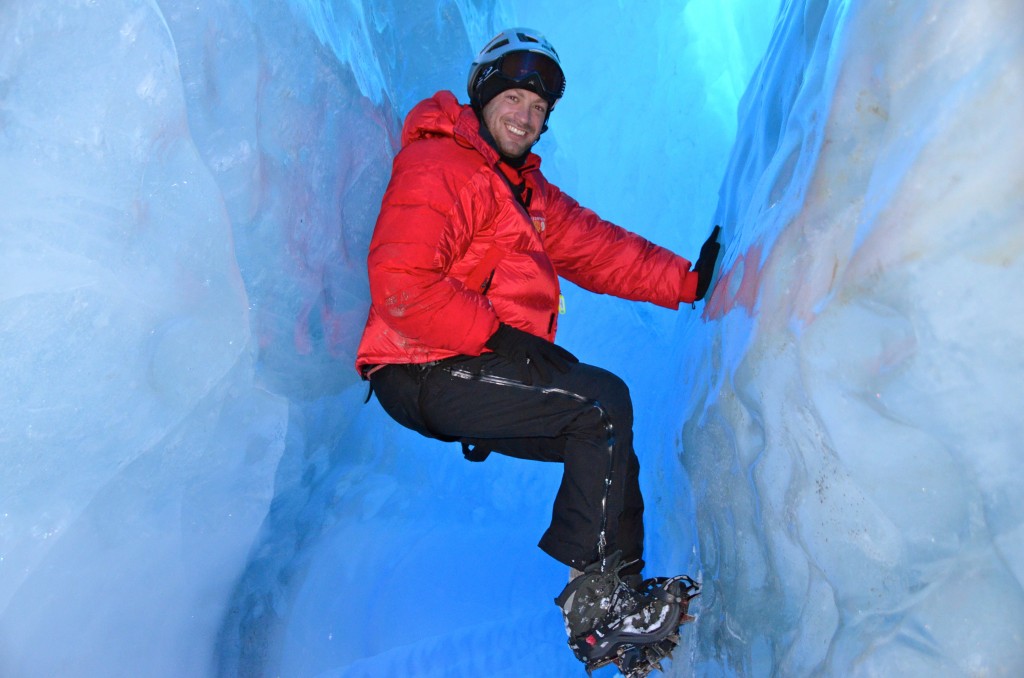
(688,293)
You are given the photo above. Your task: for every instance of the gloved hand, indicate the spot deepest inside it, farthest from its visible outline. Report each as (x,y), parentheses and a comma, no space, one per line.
(536,356)
(705,266)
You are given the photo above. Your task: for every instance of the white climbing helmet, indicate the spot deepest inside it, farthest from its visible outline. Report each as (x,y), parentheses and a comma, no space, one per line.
(516,57)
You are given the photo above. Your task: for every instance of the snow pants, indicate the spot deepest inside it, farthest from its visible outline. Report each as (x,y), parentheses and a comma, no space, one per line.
(582,419)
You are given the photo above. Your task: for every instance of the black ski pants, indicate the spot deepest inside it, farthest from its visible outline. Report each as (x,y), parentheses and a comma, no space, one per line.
(582,419)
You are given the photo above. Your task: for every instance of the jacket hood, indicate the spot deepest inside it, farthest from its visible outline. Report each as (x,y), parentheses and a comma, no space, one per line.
(443,116)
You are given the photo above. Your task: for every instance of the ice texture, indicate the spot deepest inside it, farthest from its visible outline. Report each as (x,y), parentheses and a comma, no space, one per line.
(191,485)
(856,458)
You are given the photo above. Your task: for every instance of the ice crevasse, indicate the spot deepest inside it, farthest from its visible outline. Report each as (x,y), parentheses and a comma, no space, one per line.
(190,484)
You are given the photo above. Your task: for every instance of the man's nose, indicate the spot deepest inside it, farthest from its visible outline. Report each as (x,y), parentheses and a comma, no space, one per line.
(522,112)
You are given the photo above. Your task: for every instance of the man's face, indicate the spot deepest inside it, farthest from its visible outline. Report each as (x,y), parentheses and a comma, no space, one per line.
(515,119)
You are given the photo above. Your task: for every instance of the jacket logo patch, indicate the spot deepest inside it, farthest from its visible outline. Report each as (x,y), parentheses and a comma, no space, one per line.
(538,223)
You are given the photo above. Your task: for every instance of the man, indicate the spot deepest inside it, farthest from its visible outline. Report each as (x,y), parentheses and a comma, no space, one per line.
(464,266)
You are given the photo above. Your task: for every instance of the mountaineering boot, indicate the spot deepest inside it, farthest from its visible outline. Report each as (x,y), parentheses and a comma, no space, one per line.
(595,596)
(635,627)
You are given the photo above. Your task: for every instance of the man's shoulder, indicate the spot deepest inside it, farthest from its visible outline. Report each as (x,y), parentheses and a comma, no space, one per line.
(440,155)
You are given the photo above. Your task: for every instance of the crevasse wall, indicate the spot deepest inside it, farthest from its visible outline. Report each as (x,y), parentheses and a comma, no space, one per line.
(856,460)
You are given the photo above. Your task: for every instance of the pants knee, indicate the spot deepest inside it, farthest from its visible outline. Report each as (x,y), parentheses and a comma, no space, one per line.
(614,401)
(608,419)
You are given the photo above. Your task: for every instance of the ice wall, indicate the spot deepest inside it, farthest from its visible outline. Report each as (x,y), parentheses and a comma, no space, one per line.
(190,484)
(137,456)
(856,453)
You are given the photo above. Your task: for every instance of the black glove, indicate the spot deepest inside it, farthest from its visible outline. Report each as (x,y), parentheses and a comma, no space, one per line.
(535,355)
(705,266)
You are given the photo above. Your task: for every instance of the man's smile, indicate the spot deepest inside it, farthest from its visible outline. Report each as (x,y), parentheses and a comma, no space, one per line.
(518,131)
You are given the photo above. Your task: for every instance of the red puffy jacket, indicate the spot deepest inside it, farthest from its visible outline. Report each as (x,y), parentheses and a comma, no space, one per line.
(453,252)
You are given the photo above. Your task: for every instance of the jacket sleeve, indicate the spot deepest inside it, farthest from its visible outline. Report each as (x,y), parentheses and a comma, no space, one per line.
(603,257)
(422,230)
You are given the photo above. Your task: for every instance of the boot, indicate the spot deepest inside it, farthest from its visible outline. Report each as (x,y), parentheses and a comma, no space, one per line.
(609,620)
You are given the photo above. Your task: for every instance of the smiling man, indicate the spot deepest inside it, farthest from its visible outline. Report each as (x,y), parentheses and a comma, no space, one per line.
(464,270)
(515,119)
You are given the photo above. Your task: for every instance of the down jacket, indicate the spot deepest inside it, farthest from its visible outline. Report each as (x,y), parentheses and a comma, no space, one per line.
(453,252)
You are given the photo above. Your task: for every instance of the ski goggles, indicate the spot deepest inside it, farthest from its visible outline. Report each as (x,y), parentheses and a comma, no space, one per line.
(536,69)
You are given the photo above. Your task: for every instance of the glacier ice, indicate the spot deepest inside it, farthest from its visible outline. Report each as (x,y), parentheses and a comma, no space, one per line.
(136,453)
(856,460)
(190,483)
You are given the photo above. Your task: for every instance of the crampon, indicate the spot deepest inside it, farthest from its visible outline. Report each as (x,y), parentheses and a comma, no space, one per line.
(637,654)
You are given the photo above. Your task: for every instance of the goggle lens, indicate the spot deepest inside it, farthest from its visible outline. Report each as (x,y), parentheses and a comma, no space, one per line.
(519,66)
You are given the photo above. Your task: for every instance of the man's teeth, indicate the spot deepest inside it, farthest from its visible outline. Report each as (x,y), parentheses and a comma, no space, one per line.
(519,132)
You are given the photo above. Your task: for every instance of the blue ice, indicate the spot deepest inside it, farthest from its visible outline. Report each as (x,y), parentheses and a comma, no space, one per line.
(191,485)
